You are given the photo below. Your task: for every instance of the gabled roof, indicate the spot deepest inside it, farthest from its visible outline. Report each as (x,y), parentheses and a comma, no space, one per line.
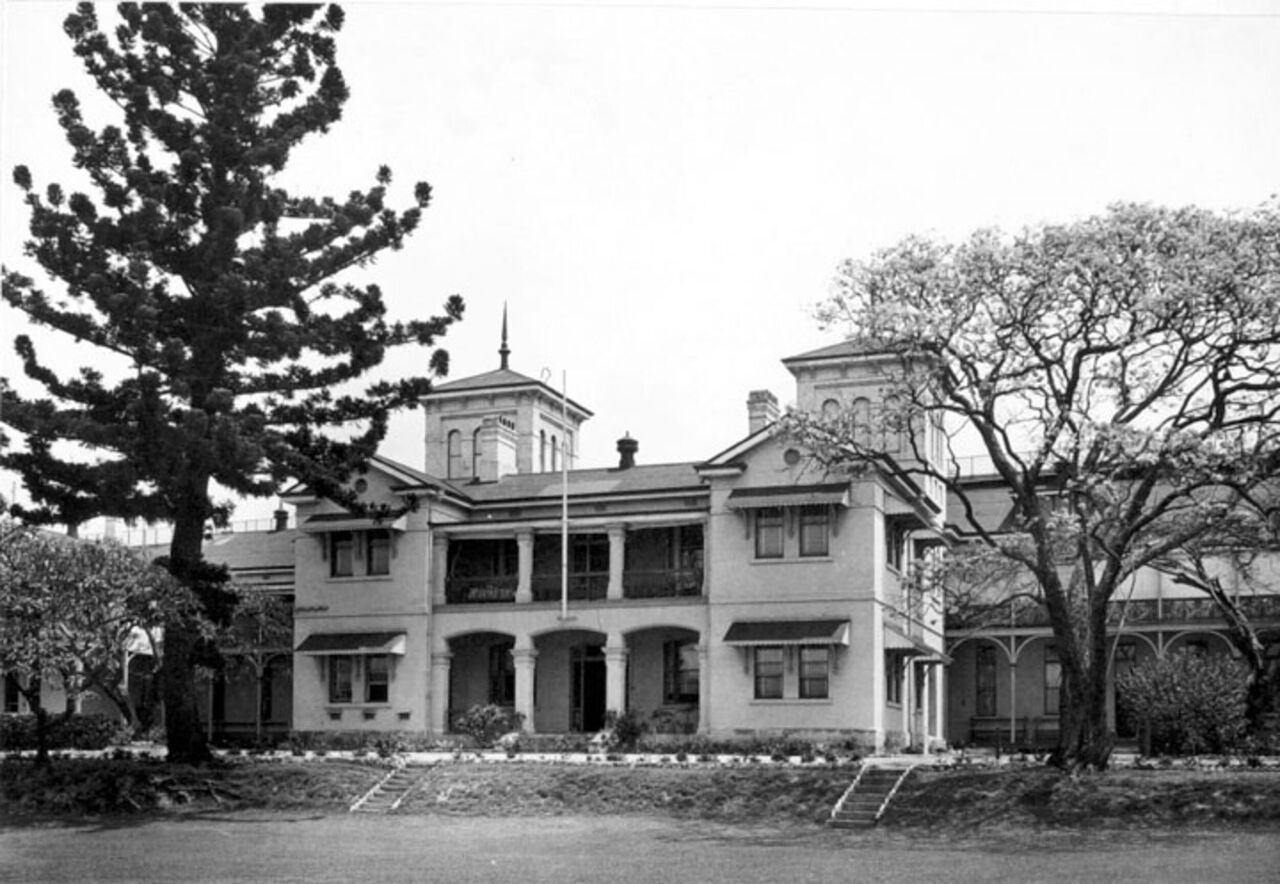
(843,350)
(403,476)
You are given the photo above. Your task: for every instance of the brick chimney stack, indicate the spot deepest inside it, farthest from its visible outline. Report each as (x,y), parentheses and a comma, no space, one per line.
(762,410)
(282,520)
(627,448)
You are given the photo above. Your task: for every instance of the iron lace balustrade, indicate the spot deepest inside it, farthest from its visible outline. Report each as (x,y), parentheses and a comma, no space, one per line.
(584,586)
(665,583)
(480,590)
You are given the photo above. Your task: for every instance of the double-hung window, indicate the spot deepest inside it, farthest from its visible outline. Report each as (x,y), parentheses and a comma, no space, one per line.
(342,547)
(1052,680)
(341,679)
(815,530)
(768,673)
(815,667)
(769,532)
(378,551)
(377,678)
(680,672)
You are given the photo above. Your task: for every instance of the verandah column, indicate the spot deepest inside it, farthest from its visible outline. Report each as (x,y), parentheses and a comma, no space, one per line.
(525,659)
(704,687)
(617,558)
(439,699)
(524,566)
(615,680)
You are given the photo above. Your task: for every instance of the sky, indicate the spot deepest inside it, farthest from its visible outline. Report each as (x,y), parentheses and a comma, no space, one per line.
(660,193)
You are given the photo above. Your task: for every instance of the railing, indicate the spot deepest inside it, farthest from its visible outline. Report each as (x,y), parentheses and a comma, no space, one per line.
(665,583)
(584,586)
(480,590)
(1130,613)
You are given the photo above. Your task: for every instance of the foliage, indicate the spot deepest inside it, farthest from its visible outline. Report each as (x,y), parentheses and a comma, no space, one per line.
(220,308)
(18,732)
(1187,703)
(486,723)
(624,729)
(71,608)
(1121,376)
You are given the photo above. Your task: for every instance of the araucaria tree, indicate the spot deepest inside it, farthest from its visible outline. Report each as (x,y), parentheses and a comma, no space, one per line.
(1120,374)
(222,307)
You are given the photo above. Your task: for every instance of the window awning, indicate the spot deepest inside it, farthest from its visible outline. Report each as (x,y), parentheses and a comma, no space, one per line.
(348,522)
(353,643)
(746,633)
(898,642)
(789,495)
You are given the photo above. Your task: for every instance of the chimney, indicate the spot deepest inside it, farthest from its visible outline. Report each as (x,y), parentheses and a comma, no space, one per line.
(498,444)
(762,410)
(627,448)
(282,520)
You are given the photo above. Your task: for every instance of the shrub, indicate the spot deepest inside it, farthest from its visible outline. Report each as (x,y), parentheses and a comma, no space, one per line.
(1185,702)
(485,724)
(627,728)
(18,732)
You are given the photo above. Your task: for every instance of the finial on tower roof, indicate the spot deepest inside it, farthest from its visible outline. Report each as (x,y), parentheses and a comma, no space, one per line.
(504,351)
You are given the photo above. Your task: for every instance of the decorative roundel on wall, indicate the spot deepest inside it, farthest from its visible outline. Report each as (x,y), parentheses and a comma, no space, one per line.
(791,456)
(361,486)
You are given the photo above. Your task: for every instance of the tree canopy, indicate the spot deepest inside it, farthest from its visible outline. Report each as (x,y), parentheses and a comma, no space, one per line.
(1120,376)
(223,307)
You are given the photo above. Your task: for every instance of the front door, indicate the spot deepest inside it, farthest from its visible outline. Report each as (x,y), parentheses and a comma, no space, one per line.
(588,688)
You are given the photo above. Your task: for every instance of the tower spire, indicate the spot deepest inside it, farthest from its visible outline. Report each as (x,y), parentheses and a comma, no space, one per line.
(504,351)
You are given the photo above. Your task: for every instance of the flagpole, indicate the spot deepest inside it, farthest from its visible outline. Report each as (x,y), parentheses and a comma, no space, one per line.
(564,496)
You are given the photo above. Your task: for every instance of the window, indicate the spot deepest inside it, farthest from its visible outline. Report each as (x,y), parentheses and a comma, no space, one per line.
(1052,680)
(542,452)
(589,554)
(475,452)
(830,409)
(341,670)
(455,454)
(768,671)
(680,672)
(893,679)
(815,664)
(555,454)
(769,533)
(378,549)
(860,413)
(920,674)
(11,692)
(815,525)
(502,674)
(377,678)
(985,679)
(341,554)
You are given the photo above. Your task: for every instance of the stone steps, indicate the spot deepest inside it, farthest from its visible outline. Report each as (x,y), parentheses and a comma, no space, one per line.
(389,792)
(860,808)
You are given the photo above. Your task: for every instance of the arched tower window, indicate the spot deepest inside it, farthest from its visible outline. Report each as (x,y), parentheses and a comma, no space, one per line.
(555,454)
(455,454)
(542,452)
(475,452)
(861,410)
(830,409)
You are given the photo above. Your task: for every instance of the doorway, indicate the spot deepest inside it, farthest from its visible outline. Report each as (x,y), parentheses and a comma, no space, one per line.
(587,682)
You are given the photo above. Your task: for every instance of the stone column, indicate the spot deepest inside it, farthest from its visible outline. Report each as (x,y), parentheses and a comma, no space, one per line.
(615,675)
(438,700)
(617,558)
(704,688)
(439,568)
(525,670)
(524,584)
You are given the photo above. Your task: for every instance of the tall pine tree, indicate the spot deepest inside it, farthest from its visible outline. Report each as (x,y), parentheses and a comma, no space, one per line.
(224,301)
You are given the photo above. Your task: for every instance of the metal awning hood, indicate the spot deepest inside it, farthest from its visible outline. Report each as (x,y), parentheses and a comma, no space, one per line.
(746,633)
(897,641)
(789,495)
(324,643)
(348,522)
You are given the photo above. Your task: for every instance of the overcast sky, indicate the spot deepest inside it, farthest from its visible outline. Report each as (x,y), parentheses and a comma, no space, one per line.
(661,192)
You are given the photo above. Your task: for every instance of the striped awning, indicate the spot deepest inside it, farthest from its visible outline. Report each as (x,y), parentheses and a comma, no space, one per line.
(789,495)
(324,643)
(898,642)
(746,633)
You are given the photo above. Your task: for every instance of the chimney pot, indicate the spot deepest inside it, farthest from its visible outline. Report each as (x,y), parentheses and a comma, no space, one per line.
(627,448)
(282,520)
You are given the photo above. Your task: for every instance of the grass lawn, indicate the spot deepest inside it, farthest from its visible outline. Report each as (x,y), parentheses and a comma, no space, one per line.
(316,849)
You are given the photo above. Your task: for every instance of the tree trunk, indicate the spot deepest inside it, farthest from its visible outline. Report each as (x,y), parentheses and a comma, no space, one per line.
(32,692)
(184,736)
(1085,740)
